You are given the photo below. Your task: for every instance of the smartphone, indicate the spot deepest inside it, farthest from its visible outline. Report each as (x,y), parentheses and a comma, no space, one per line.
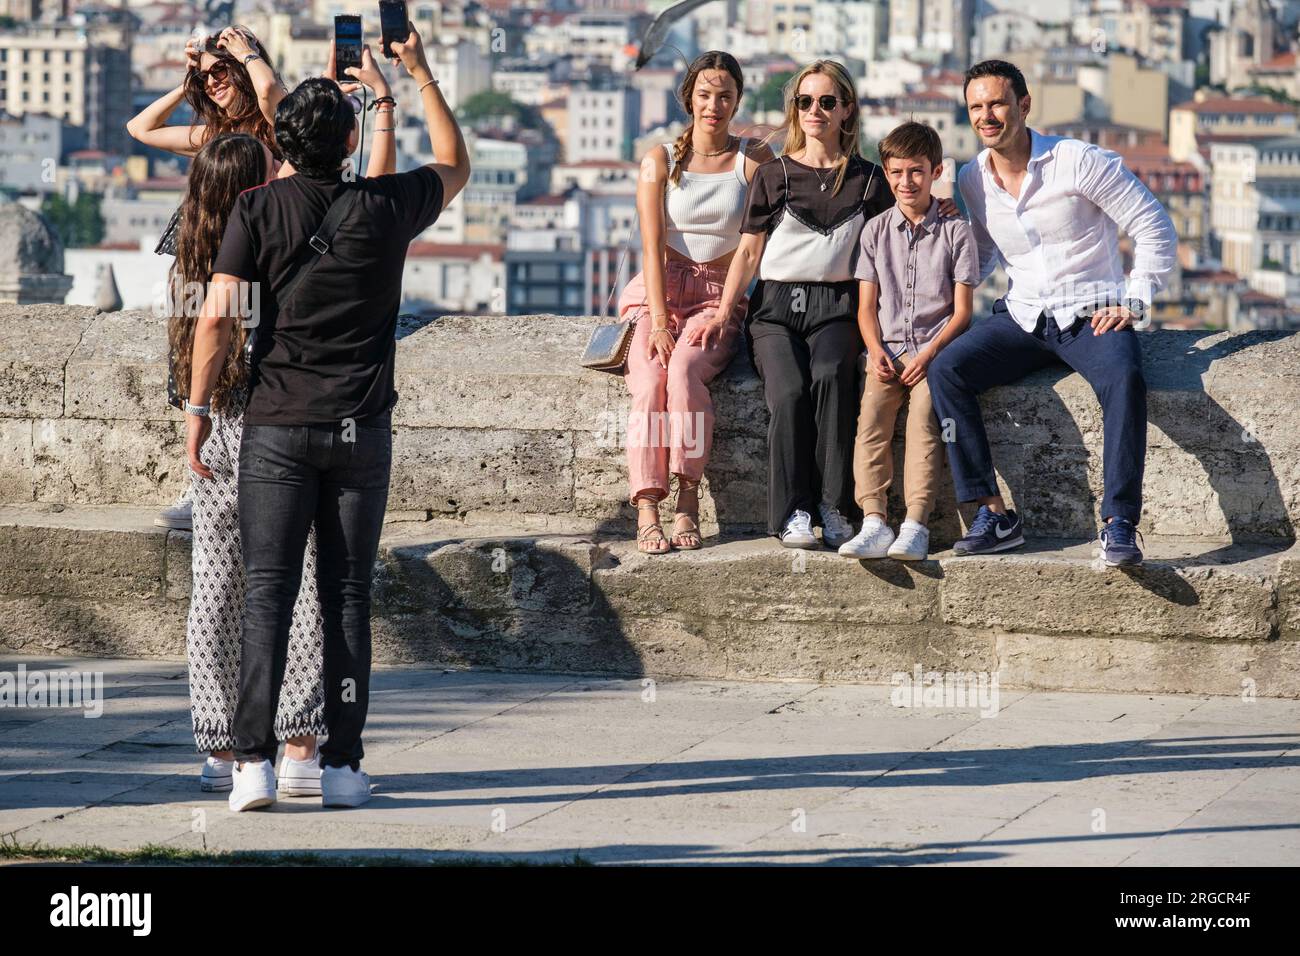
(347,45)
(393,24)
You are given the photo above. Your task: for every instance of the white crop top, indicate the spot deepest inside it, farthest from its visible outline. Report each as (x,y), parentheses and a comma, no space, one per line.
(702,215)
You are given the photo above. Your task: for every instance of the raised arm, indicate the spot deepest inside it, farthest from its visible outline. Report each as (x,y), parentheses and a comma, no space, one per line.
(150,127)
(239,42)
(451,158)
(383,141)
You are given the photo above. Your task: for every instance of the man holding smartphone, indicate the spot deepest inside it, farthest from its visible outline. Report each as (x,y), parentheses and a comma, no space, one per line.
(317,444)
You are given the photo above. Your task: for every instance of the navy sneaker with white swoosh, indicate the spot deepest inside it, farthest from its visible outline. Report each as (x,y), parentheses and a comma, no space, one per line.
(991,532)
(1119,546)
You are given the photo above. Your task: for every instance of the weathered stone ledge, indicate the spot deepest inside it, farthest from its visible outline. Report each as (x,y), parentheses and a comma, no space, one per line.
(1197,618)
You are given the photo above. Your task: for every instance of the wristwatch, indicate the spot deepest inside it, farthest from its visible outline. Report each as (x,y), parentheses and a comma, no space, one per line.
(1137,307)
(251,57)
(203,411)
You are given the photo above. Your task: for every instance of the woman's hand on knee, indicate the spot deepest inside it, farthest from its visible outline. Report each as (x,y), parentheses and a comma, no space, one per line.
(707,333)
(660,347)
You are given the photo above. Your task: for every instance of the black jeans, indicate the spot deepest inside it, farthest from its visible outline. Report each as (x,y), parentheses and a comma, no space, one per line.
(290,476)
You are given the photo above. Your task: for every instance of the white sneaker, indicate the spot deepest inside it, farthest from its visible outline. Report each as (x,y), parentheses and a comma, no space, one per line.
(298,778)
(216,775)
(344,787)
(836,529)
(179,517)
(798,532)
(913,542)
(872,541)
(254,786)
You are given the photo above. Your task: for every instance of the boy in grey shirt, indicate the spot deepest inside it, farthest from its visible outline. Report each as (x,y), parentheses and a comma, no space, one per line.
(917,271)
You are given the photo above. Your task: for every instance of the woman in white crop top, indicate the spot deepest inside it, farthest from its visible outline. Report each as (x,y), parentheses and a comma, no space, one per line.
(691,200)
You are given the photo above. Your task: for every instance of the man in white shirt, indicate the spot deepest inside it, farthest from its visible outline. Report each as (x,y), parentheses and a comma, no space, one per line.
(1050,209)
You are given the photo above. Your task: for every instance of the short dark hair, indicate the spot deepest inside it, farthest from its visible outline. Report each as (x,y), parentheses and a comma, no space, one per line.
(1000,68)
(312,126)
(911,140)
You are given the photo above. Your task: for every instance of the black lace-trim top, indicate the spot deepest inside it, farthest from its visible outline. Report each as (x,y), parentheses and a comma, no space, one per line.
(785,185)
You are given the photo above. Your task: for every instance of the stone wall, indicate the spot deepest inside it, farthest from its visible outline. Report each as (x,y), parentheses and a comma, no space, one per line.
(508,545)
(496,422)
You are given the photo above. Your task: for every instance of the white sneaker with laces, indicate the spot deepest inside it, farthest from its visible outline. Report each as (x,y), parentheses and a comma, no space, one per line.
(344,787)
(254,786)
(836,529)
(913,542)
(216,775)
(299,778)
(798,532)
(872,541)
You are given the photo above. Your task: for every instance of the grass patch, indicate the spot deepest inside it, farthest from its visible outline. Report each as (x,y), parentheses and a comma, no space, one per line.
(158,855)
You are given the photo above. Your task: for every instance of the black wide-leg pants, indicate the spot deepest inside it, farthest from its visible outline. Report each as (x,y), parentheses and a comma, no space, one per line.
(804,341)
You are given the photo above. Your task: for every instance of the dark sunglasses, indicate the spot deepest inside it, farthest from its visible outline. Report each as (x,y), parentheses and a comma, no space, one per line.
(827,102)
(219,71)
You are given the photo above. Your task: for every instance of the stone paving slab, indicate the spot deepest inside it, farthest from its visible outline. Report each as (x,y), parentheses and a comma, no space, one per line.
(540,767)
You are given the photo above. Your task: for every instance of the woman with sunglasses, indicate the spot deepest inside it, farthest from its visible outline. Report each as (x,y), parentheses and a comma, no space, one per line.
(805,214)
(231,87)
(690,201)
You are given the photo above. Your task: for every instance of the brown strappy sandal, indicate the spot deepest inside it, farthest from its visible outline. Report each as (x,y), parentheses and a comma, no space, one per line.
(650,537)
(687,538)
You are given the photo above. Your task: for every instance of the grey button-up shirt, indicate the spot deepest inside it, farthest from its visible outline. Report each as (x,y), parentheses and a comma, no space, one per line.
(916,269)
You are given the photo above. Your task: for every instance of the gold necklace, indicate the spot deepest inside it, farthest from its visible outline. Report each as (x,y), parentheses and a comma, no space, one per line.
(724,149)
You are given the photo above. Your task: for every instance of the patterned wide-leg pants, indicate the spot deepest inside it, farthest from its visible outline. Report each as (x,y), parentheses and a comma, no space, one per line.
(217,610)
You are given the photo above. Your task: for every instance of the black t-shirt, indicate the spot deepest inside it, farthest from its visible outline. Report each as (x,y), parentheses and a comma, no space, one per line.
(330,356)
(799,187)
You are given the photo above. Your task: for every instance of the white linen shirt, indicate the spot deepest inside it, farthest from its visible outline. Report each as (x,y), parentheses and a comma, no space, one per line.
(1059,240)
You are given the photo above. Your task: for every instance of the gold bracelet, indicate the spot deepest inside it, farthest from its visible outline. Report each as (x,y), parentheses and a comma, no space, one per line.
(385,129)
(423,85)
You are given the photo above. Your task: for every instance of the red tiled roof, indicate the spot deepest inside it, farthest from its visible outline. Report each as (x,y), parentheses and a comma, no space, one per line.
(453,250)
(1255,297)
(1235,104)
(553,199)
(1220,276)
(165,182)
(1283,61)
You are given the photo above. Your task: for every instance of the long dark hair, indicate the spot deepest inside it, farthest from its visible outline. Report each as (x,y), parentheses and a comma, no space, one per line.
(229,164)
(245,114)
(712,60)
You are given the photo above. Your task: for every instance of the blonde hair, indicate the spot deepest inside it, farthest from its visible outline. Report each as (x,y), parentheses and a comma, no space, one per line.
(712,60)
(794,138)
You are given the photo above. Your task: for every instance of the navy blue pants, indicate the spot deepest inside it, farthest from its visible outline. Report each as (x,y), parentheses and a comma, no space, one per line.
(998,352)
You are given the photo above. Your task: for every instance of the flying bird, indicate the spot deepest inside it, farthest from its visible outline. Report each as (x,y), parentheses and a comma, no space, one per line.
(658,32)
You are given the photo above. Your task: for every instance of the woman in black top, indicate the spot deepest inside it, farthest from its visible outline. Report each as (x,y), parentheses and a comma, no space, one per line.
(801,231)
